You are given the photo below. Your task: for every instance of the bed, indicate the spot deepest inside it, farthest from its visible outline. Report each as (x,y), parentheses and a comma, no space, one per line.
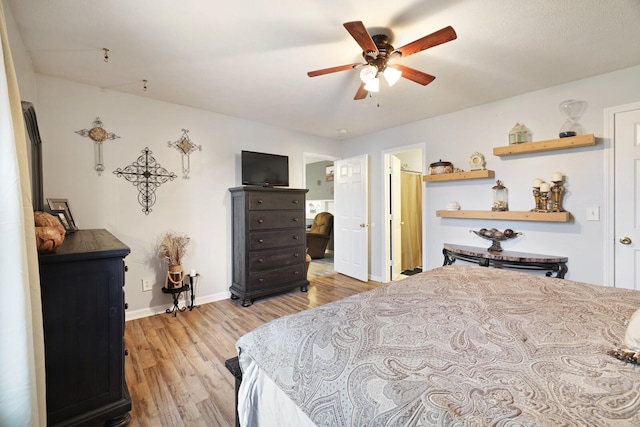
(456,345)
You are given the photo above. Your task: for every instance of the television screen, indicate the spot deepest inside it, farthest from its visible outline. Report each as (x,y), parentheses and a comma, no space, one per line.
(267,170)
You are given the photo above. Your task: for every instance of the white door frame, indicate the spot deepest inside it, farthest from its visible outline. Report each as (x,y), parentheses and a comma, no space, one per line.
(609,185)
(386,251)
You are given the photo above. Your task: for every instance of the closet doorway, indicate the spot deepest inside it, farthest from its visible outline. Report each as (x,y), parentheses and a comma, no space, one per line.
(403,214)
(317,180)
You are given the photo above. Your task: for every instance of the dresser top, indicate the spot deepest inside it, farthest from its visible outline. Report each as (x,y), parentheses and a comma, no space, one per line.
(257,188)
(87,244)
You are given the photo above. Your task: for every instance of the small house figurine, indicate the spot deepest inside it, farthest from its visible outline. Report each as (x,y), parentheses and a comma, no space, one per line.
(500,197)
(519,134)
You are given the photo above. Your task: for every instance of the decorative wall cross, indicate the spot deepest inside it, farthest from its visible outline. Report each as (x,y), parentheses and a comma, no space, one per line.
(98,135)
(185,145)
(147,175)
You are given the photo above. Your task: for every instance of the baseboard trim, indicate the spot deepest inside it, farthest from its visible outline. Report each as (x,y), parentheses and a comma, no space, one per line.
(152,311)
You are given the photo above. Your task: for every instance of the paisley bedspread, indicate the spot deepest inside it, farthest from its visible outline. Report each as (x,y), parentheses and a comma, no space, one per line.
(458,345)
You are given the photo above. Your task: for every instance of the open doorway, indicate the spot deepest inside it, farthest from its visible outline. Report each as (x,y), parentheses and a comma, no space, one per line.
(403,253)
(318,179)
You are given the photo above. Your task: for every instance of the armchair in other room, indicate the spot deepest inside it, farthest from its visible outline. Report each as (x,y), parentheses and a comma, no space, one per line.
(319,234)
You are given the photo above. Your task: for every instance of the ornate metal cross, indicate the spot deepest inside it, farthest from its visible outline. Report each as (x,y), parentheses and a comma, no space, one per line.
(98,135)
(147,175)
(185,146)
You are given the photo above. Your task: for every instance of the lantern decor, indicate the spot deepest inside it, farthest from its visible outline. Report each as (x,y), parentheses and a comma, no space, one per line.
(500,197)
(519,134)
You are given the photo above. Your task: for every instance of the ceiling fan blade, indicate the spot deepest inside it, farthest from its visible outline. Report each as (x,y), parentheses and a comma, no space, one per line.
(434,39)
(332,70)
(415,75)
(361,35)
(361,93)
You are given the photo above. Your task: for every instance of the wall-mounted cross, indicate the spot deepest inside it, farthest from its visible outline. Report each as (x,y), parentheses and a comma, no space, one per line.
(185,146)
(147,175)
(98,135)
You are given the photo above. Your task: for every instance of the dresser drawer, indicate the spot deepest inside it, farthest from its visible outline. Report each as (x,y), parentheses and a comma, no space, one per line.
(268,220)
(268,278)
(275,239)
(265,201)
(276,258)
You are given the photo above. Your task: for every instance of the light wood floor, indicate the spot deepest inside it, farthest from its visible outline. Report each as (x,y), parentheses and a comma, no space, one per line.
(175,369)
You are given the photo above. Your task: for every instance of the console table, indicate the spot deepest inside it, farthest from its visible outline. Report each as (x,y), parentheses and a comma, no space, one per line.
(506,259)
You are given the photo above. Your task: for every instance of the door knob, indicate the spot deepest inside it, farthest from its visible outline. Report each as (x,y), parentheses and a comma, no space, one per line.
(625,241)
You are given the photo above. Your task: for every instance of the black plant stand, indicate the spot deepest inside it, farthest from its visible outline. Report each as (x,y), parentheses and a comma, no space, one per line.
(175,293)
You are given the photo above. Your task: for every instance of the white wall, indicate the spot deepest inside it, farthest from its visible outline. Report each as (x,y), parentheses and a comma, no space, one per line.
(198,207)
(454,137)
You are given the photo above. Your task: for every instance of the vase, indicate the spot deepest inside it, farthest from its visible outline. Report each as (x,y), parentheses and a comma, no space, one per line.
(175,275)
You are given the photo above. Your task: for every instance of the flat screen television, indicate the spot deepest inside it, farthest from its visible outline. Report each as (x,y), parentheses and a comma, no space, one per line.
(264,169)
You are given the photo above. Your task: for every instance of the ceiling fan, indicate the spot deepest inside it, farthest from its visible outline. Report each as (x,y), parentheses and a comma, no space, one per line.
(377,52)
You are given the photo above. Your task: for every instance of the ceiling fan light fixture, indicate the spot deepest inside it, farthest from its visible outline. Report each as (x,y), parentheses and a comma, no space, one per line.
(368,73)
(392,75)
(373,85)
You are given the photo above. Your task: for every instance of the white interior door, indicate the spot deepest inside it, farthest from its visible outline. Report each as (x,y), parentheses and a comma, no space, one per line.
(396,217)
(351,221)
(627,199)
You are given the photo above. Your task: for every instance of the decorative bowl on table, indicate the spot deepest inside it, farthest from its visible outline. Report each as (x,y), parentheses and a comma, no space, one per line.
(496,236)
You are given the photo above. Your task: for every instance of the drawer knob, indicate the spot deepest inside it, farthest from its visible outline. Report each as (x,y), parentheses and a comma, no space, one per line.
(295,273)
(260,240)
(296,219)
(259,201)
(296,255)
(260,260)
(261,280)
(260,221)
(296,237)
(295,202)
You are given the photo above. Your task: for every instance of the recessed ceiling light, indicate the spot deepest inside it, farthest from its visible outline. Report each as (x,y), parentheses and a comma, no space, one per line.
(343,131)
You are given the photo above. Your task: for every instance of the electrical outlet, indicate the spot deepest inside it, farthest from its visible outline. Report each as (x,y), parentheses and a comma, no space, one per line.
(146,285)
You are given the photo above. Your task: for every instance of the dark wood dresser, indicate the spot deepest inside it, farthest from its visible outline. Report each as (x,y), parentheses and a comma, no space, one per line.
(269,241)
(81,285)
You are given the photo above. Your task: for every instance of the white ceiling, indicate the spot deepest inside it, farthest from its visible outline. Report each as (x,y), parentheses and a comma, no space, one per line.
(249,59)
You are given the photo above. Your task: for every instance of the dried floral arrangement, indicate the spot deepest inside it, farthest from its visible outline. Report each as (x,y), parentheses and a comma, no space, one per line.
(173,247)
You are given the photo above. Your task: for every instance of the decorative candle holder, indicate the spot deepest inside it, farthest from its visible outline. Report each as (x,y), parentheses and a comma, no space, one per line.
(536,198)
(556,192)
(544,201)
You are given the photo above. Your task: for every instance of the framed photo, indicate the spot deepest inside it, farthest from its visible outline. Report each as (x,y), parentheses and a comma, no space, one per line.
(58,206)
(329,173)
(64,219)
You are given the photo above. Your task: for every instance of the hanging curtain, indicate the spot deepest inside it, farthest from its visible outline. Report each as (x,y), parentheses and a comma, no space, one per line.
(411,199)
(22,377)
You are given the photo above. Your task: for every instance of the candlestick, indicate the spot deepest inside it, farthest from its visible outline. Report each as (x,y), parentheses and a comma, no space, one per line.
(536,198)
(545,187)
(544,201)
(557,196)
(537,182)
